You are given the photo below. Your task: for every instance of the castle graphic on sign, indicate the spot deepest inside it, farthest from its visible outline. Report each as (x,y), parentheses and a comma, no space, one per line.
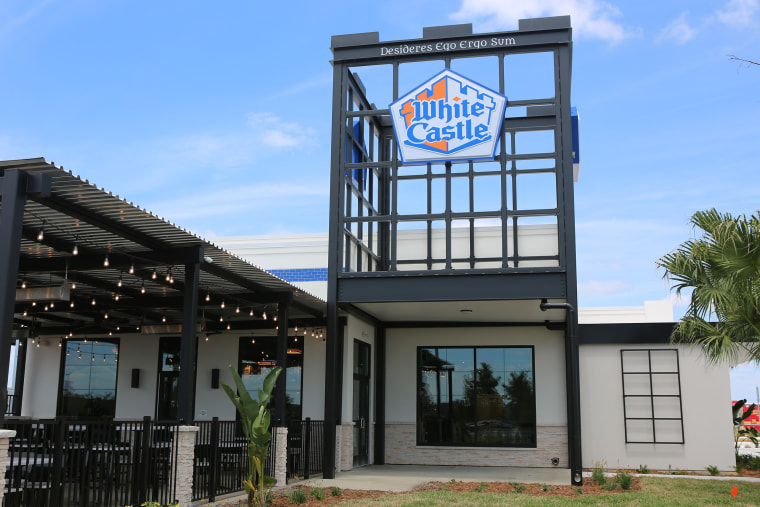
(448,117)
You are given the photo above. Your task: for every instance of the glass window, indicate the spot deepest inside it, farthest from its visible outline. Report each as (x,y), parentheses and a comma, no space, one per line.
(89,379)
(258,356)
(476,396)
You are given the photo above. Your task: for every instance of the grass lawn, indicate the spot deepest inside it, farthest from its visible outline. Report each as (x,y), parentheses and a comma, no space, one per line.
(654,491)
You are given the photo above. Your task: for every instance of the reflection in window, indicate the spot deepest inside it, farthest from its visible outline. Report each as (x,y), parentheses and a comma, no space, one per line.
(476,396)
(258,356)
(89,379)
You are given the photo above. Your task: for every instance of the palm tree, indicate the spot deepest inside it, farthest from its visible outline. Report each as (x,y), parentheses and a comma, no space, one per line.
(722,268)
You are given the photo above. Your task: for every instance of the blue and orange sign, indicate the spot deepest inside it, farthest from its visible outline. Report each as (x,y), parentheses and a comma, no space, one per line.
(446,118)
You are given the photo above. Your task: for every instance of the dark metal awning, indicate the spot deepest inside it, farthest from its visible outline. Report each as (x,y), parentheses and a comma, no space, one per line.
(60,292)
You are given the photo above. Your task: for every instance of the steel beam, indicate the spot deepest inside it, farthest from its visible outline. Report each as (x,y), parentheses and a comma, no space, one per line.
(187,361)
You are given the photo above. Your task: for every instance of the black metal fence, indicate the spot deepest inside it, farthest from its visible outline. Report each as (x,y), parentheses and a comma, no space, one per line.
(221,456)
(221,459)
(305,448)
(64,463)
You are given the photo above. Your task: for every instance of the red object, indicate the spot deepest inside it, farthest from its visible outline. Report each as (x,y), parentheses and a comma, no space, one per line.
(752,421)
(735,491)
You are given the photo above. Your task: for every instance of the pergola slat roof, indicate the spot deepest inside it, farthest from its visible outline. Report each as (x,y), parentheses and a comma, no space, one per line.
(99,224)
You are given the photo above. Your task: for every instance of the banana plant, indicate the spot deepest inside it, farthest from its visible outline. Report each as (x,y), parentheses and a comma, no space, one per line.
(255,420)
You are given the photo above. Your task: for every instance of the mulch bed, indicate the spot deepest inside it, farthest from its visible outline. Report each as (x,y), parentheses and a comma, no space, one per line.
(589,488)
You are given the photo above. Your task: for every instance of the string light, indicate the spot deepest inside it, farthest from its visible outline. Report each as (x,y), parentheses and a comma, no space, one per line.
(73,285)
(93,301)
(168,274)
(23,284)
(75,250)
(25,313)
(228,327)
(60,342)
(142,288)
(154,275)
(116,296)
(264,316)
(251,314)
(41,233)
(52,304)
(208,297)
(237,310)
(106,262)
(105,315)
(132,268)
(222,305)
(120,282)
(221,318)
(163,318)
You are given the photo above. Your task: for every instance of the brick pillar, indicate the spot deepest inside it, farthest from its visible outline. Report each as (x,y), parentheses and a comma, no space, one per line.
(184,442)
(280,456)
(338,446)
(347,444)
(5,436)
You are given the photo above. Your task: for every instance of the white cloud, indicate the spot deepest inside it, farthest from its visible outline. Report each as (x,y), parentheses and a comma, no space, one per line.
(603,287)
(590,18)
(738,12)
(276,133)
(678,30)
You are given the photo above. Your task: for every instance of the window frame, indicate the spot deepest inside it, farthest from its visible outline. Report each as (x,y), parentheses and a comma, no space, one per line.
(419,408)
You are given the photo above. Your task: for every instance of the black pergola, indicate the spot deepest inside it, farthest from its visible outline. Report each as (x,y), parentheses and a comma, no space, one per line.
(77,261)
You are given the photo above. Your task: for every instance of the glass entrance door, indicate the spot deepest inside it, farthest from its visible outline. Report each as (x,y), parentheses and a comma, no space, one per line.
(361,403)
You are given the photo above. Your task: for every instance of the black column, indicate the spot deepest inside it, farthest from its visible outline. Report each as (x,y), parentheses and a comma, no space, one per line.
(282,361)
(15,186)
(186,388)
(380,354)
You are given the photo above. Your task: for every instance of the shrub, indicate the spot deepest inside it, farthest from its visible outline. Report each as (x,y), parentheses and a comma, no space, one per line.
(336,491)
(597,474)
(624,479)
(481,488)
(318,493)
(578,491)
(519,488)
(546,487)
(643,469)
(712,469)
(297,496)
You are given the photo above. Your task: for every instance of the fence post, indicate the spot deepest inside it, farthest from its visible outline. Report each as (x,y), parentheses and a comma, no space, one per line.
(55,493)
(213,458)
(184,442)
(142,460)
(5,437)
(306,448)
(281,456)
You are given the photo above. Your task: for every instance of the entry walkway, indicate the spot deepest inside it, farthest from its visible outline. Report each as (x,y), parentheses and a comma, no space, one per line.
(409,477)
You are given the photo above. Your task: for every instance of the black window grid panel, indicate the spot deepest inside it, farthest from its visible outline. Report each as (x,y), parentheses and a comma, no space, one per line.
(370,217)
(652,375)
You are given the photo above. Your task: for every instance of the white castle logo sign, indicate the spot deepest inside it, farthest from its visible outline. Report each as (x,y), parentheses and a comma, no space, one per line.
(448,117)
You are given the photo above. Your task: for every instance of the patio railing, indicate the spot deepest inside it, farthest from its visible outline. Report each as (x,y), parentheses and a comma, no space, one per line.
(90,463)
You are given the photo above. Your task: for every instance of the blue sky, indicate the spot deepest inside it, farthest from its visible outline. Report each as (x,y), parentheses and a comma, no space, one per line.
(216,116)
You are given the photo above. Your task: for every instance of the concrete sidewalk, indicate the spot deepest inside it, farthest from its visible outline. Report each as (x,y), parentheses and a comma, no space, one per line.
(409,477)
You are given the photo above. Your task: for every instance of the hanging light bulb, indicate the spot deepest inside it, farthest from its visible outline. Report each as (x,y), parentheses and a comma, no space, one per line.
(251,314)
(106,263)
(228,327)
(73,285)
(60,342)
(221,318)
(120,282)
(208,297)
(154,275)
(253,340)
(237,310)
(142,288)
(75,250)
(79,356)
(104,358)
(264,315)
(296,339)
(71,334)
(34,303)
(25,313)
(110,333)
(93,301)
(23,284)
(71,304)
(85,339)
(41,233)
(222,305)
(38,342)
(105,315)
(206,337)
(132,268)
(296,330)
(92,358)
(46,308)
(168,274)
(52,304)
(275,317)
(116,297)
(163,318)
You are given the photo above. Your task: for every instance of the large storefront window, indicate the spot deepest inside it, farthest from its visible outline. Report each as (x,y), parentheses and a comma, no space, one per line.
(476,396)
(89,379)
(258,356)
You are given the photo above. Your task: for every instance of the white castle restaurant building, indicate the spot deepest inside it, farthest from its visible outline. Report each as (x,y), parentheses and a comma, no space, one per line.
(436,323)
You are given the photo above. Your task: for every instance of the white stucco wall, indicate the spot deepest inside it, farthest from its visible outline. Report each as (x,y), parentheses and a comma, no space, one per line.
(705,392)
(549,357)
(141,352)
(43,366)
(313,392)
(357,329)
(220,351)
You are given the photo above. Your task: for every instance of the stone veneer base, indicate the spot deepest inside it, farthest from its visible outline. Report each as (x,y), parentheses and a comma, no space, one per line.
(401,449)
